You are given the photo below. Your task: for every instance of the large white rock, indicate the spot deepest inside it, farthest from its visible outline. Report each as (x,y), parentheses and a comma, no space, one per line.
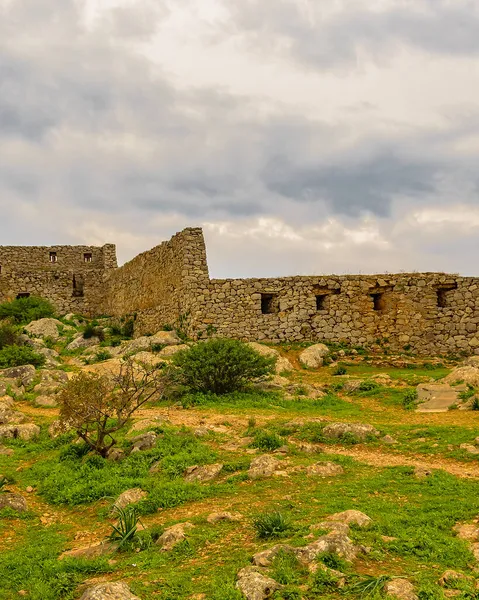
(467,375)
(282,363)
(109,591)
(313,357)
(44,328)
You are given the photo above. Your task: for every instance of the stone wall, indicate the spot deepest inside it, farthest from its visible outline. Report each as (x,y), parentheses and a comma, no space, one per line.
(160,286)
(71,277)
(428,313)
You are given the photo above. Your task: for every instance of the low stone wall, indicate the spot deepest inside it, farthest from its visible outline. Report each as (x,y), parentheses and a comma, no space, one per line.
(428,313)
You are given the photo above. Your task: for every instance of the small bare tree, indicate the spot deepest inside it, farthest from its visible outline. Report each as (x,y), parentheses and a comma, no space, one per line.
(97,406)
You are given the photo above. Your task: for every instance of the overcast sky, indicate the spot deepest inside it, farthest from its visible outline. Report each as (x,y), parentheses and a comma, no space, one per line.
(304,136)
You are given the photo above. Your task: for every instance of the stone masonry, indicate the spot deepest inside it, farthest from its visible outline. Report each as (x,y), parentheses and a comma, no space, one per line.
(428,313)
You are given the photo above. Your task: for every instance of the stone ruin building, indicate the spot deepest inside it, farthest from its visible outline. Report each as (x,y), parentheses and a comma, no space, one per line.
(428,313)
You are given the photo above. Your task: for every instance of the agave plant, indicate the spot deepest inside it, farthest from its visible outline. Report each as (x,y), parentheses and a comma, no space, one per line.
(125,531)
(368,586)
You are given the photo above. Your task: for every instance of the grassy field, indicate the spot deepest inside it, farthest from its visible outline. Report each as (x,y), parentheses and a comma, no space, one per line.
(412,532)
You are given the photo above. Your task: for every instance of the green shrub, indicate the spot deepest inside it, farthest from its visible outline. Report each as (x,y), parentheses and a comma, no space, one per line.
(25,310)
(124,533)
(410,400)
(9,335)
(475,403)
(340,370)
(128,328)
(221,366)
(368,386)
(102,355)
(265,440)
(15,356)
(273,524)
(93,331)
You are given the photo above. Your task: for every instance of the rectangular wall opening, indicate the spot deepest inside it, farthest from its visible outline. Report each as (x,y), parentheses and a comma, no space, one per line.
(269,304)
(378,301)
(23,295)
(444,295)
(323,297)
(87,257)
(53,257)
(321,301)
(78,285)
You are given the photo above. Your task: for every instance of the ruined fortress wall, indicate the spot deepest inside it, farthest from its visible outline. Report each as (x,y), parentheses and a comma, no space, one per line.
(71,277)
(427,313)
(159,286)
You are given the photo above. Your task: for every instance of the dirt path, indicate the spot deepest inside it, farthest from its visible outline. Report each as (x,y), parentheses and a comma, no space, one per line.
(379,458)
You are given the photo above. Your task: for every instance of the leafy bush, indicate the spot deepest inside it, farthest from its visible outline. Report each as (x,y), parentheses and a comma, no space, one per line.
(324,580)
(93,331)
(221,366)
(410,400)
(273,524)
(15,356)
(340,370)
(102,355)
(265,440)
(368,386)
(475,403)
(25,310)
(9,335)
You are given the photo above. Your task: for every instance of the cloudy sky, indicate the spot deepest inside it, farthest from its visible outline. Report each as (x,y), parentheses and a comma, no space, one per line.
(304,136)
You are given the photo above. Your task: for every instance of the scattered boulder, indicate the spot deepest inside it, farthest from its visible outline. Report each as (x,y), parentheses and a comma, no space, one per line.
(145,342)
(217,517)
(327,469)
(13,501)
(171,350)
(24,374)
(422,473)
(129,497)
(401,589)
(467,375)
(360,431)
(387,439)
(93,551)
(7,415)
(109,591)
(313,357)
(44,328)
(46,401)
(263,466)
(254,585)
(352,385)
(144,441)
(80,342)
(282,363)
(24,431)
(334,526)
(471,361)
(352,516)
(146,424)
(148,358)
(115,454)
(469,448)
(450,579)
(52,358)
(203,473)
(173,535)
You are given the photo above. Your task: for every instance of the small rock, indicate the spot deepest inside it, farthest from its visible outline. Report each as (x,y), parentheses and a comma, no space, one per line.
(313,357)
(173,535)
(422,473)
(171,350)
(387,439)
(109,591)
(254,585)
(44,328)
(401,589)
(450,579)
(360,431)
(216,517)
(46,401)
(467,531)
(13,501)
(352,516)
(352,385)
(29,489)
(263,466)
(81,342)
(328,469)
(203,473)
(145,441)
(129,497)
(93,551)
(469,448)
(115,454)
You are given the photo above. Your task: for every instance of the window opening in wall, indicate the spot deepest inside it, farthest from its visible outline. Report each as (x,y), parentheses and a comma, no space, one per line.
(53,257)
(378,301)
(268,304)
(443,295)
(87,257)
(78,285)
(323,297)
(23,295)
(321,302)
(0,269)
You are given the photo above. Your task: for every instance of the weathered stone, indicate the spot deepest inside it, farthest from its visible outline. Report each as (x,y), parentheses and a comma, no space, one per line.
(436,397)
(352,385)
(150,359)
(46,401)
(8,416)
(254,585)
(422,473)
(13,501)
(109,591)
(469,448)
(25,374)
(450,579)
(468,375)
(145,441)
(351,516)
(203,473)
(172,350)
(263,466)
(173,536)
(217,517)
(313,357)
(360,431)
(93,551)
(129,497)
(44,328)
(115,454)
(282,364)
(81,342)
(328,469)
(143,424)
(387,439)
(401,589)
(24,431)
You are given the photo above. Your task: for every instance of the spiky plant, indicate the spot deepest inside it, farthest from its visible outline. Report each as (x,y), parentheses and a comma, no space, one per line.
(125,531)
